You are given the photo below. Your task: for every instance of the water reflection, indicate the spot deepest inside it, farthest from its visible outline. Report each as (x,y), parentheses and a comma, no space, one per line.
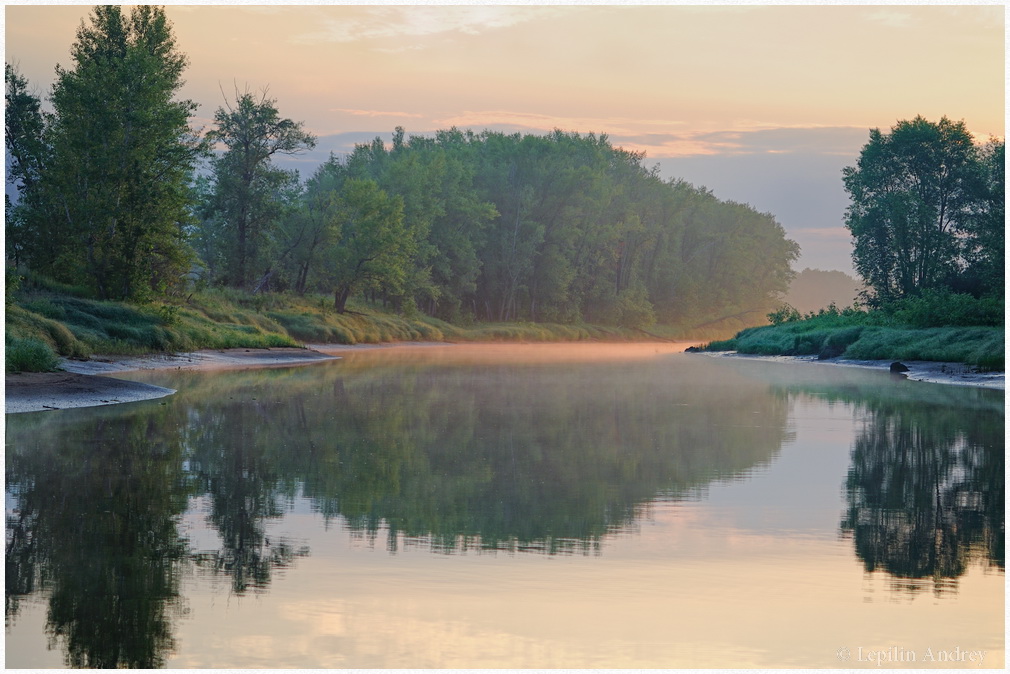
(926,493)
(926,484)
(95,529)
(476,454)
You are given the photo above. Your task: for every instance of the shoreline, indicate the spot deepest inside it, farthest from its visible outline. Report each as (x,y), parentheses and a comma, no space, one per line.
(932,372)
(86,384)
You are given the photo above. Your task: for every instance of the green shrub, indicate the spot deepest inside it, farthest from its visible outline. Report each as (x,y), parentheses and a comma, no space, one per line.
(942,308)
(721,345)
(28,355)
(784,314)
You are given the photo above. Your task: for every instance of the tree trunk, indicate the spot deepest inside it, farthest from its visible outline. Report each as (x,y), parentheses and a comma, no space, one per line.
(340,296)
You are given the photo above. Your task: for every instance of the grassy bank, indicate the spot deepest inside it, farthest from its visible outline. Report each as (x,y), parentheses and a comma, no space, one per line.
(894,335)
(46,320)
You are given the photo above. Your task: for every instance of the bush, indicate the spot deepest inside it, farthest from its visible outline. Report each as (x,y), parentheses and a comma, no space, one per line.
(942,308)
(784,314)
(28,355)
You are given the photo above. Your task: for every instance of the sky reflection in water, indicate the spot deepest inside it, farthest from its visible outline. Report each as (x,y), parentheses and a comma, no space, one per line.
(546,506)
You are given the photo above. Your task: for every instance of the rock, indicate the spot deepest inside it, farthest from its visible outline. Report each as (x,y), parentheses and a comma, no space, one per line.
(897,367)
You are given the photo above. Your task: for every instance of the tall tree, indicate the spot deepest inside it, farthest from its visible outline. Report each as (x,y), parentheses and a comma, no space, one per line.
(247,184)
(911,193)
(111,199)
(371,246)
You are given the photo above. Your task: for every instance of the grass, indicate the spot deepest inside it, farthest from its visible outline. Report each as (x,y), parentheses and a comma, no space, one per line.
(870,336)
(29,355)
(46,320)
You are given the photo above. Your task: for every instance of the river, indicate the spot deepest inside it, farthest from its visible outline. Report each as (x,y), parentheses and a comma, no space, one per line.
(529,506)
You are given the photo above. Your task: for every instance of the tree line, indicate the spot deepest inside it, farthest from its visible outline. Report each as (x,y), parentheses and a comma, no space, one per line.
(117,192)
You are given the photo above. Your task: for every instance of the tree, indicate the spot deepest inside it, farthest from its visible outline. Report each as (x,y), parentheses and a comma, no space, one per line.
(246,184)
(370,246)
(23,138)
(985,232)
(105,192)
(912,201)
(313,225)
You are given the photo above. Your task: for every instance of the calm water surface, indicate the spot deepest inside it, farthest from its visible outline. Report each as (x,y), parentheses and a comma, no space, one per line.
(532,506)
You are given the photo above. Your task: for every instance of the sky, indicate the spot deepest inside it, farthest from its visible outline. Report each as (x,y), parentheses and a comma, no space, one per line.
(763,105)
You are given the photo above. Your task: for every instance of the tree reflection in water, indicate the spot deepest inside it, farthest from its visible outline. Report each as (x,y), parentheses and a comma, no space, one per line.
(486,456)
(926,493)
(925,487)
(96,529)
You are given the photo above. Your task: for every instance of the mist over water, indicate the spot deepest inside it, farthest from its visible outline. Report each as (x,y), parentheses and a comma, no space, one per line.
(520,506)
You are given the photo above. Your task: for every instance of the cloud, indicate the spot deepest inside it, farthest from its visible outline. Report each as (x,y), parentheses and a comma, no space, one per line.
(746,139)
(378,23)
(374,113)
(892,17)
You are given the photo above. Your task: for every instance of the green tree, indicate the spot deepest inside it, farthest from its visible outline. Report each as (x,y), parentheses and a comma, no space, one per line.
(565,227)
(107,202)
(912,199)
(984,233)
(248,188)
(312,226)
(370,245)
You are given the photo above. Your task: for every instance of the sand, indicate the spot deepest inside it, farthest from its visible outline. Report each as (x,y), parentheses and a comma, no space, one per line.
(81,384)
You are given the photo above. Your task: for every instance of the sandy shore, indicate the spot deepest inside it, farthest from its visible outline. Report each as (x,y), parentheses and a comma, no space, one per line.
(956,374)
(81,383)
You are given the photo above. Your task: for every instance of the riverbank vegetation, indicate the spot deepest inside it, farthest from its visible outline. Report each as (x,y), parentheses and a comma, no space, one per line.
(927,219)
(46,320)
(972,333)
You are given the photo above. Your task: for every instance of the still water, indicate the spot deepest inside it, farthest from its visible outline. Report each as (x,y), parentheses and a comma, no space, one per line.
(524,507)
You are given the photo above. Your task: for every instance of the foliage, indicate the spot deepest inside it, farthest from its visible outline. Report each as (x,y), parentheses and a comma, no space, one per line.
(371,245)
(939,308)
(28,355)
(784,314)
(873,335)
(249,195)
(103,179)
(560,228)
(927,211)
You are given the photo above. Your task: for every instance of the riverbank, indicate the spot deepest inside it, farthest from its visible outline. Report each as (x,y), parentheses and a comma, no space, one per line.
(83,383)
(86,383)
(955,374)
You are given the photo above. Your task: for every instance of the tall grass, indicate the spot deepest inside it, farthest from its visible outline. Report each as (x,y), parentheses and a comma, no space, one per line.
(28,355)
(862,337)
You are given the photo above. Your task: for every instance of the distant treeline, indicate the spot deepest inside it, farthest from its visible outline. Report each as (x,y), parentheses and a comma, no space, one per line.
(461,225)
(500,227)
